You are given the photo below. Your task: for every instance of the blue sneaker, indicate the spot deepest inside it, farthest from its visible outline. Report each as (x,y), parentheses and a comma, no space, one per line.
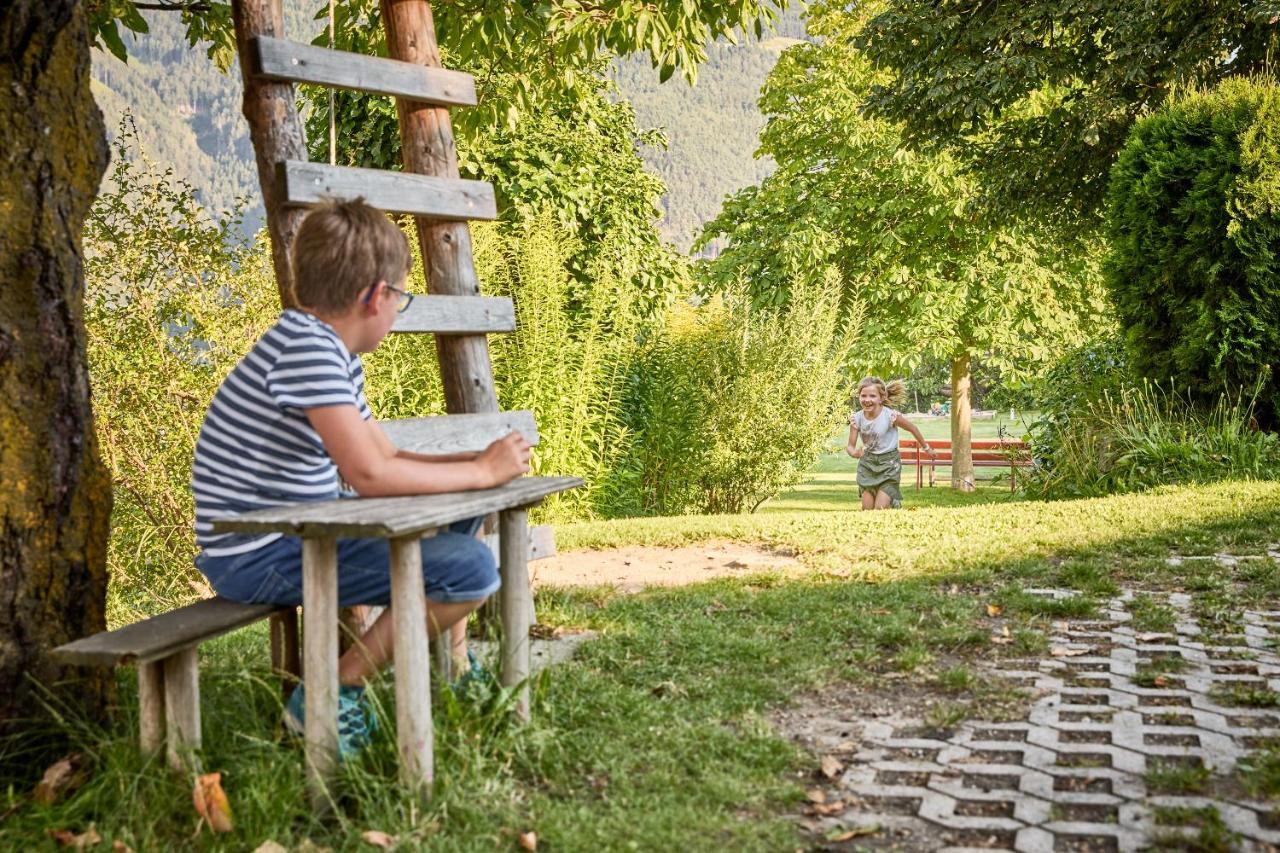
(477,674)
(356,720)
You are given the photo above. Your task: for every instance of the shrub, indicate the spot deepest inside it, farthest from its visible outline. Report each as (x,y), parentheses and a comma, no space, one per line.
(1193,215)
(730,406)
(1079,380)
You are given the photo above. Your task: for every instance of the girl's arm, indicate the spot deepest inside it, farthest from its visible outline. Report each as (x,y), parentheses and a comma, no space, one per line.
(851,447)
(900,420)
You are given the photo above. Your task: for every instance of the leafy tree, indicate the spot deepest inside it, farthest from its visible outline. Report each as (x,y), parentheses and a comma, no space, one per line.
(1193,216)
(1039,95)
(936,280)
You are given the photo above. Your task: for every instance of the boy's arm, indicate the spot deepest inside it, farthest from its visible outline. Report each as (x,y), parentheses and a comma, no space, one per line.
(901,421)
(370,463)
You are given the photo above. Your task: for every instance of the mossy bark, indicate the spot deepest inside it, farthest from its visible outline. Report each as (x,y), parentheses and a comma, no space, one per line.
(56,497)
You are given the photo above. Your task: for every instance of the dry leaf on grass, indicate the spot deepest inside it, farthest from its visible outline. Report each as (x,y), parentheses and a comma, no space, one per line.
(831,766)
(77,841)
(816,795)
(378,838)
(270,847)
(529,840)
(838,836)
(1068,652)
(119,846)
(1160,681)
(61,777)
(994,610)
(826,809)
(1003,638)
(211,802)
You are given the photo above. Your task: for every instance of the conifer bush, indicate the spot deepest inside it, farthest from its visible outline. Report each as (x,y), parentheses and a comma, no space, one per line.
(1193,215)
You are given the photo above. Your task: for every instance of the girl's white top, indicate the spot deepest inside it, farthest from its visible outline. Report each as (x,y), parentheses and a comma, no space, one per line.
(879,434)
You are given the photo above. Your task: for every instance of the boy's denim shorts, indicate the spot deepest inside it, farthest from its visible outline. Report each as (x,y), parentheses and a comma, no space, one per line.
(455,567)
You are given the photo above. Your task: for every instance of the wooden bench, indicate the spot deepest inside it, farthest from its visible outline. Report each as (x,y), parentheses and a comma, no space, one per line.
(1003,453)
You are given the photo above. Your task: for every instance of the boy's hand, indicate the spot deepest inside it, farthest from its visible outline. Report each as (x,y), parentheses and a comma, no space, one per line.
(505,459)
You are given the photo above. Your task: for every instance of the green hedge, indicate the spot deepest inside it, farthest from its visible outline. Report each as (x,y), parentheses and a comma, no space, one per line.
(1193,214)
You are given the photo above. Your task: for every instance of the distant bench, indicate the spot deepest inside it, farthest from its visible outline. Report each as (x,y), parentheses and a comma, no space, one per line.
(1002,453)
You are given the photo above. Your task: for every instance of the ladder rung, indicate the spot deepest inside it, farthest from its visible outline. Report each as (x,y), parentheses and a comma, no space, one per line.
(396,192)
(281,59)
(457,315)
(466,433)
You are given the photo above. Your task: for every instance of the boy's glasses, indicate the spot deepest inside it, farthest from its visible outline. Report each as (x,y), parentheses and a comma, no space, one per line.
(406,298)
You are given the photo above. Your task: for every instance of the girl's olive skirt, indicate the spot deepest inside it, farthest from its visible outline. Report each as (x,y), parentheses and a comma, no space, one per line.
(881,472)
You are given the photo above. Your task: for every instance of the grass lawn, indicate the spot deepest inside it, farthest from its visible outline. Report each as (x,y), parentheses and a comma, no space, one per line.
(656,735)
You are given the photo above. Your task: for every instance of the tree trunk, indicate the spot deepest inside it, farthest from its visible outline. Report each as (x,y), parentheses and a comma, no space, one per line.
(426,140)
(270,107)
(55,502)
(961,425)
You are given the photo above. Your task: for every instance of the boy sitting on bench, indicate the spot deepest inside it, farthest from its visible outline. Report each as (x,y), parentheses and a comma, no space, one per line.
(291,418)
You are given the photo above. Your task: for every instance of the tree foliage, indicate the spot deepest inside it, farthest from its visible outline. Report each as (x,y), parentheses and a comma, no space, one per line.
(1039,95)
(936,278)
(1193,216)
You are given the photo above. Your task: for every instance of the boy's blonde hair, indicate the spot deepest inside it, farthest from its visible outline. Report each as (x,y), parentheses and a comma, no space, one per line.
(893,393)
(341,249)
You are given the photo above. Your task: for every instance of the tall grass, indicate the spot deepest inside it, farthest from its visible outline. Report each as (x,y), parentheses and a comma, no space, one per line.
(1141,436)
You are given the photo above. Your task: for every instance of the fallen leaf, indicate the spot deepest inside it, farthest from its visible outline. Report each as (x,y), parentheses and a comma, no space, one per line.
(668,688)
(378,838)
(529,840)
(61,777)
(1068,652)
(81,841)
(994,610)
(1003,638)
(837,836)
(831,766)
(119,846)
(816,795)
(270,847)
(845,746)
(1160,681)
(826,809)
(211,802)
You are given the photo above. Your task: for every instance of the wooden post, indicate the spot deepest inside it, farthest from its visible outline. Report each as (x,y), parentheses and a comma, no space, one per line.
(151,732)
(442,651)
(413,664)
(275,130)
(182,705)
(516,605)
(286,664)
(426,139)
(320,650)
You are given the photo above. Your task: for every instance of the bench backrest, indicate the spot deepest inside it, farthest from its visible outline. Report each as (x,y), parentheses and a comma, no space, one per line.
(1002,451)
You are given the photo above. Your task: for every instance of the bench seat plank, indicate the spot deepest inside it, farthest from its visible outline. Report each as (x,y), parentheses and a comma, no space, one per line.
(392,517)
(161,636)
(458,433)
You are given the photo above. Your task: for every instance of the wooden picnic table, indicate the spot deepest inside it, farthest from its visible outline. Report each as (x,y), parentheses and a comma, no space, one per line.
(403,521)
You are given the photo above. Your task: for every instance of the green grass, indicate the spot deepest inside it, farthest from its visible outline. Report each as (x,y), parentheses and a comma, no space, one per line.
(656,735)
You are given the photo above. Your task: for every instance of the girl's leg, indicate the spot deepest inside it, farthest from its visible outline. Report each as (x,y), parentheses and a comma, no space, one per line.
(884,500)
(868,499)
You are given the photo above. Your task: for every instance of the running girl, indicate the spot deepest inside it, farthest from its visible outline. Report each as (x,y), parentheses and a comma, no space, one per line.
(879,462)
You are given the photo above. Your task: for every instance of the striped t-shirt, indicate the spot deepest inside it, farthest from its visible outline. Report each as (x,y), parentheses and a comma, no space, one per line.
(256,447)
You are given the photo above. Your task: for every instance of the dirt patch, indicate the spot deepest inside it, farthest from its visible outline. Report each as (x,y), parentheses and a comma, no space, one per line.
(633,568)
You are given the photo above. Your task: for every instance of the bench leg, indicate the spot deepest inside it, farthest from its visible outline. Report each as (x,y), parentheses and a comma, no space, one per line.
(516,605)
(151,706)
(320,651)
(286,663)
(413,669)
(182,705)
(442,650)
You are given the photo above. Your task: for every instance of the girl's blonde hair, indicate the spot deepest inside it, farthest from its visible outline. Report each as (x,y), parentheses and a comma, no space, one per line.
(892,393)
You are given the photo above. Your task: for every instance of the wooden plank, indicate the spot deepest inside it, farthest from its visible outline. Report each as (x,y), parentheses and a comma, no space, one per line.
(457,315)
(282,59)
(320,651)
(542,543)
(161,636)
(516,599)
(182,707)
(413,669)
(151,733)
(396,192)
(392,517)
(459,433)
